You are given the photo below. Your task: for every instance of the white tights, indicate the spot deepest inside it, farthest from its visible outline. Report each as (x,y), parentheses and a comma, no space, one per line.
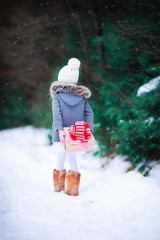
(71,158)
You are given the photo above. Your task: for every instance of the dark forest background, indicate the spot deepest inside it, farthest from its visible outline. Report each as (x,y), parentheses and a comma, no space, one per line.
(118,45)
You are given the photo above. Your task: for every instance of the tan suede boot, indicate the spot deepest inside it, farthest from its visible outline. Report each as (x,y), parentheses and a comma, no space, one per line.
(72,183)
(59,180)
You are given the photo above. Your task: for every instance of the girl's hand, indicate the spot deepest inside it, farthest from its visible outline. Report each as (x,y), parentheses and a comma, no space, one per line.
(88,133)
(61,135)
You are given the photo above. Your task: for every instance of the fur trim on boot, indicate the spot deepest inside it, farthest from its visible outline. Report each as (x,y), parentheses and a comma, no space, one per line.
(72,183)
(59,180)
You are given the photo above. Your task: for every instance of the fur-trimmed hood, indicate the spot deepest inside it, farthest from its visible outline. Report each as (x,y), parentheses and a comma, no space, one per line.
(68,87)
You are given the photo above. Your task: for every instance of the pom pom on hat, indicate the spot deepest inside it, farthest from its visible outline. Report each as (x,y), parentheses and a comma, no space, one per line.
(70,72)
(74,63)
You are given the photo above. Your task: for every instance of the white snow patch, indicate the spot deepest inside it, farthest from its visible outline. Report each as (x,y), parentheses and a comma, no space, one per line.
(112,204)
(150,120)
(151,85)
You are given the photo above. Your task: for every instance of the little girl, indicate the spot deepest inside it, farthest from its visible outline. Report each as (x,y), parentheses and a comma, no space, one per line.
(69,104)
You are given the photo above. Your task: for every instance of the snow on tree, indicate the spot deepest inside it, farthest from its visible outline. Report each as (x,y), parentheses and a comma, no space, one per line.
(151,85)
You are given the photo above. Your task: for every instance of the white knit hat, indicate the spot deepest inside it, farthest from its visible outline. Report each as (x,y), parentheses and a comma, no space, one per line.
(70,72)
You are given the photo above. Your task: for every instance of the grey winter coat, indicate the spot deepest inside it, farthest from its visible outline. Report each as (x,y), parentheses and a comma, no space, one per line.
(69,104)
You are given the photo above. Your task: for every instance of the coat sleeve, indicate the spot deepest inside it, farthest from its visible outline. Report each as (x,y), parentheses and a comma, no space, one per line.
(57,118)
(88,114)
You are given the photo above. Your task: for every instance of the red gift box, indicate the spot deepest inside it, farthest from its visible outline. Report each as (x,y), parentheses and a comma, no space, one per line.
(78,137)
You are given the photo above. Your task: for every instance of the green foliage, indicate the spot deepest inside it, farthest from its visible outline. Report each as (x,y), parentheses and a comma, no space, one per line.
(139,135)
(124,120)
(13,109)
(50,137)
(40,112)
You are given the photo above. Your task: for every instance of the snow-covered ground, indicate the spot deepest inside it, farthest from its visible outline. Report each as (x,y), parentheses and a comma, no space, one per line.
(112,205)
